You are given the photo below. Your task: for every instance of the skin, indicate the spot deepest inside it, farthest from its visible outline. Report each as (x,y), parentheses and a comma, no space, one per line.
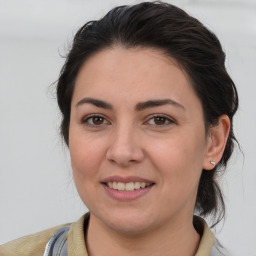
(124,141)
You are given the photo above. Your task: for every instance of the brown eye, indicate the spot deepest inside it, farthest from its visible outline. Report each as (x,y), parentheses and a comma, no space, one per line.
(95,121)
(160,121)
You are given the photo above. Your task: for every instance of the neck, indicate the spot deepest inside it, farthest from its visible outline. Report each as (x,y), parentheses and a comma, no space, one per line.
(178,239)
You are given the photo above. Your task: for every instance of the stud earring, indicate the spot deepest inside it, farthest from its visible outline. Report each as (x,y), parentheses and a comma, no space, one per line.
(212,162)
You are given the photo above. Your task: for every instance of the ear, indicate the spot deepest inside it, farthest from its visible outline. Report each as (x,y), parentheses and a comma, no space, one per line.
(216,142)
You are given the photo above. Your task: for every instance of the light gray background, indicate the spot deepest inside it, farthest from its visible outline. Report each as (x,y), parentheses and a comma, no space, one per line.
(36,187)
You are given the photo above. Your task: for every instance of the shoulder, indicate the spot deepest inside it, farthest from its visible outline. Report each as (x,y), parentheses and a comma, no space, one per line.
(218,249)
(209,245)
(28,245)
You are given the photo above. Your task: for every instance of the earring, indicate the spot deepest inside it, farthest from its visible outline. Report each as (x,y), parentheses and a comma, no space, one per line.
(212,162)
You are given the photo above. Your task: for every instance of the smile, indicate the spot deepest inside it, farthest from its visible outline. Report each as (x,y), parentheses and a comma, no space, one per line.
(129,186)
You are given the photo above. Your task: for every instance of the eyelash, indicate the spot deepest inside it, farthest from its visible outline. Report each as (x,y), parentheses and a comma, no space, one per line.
(165,118)
(105,122)
(91,117)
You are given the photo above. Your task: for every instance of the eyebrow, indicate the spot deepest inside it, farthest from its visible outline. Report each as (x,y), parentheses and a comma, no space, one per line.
(156,103)
(95,102)
(139,106)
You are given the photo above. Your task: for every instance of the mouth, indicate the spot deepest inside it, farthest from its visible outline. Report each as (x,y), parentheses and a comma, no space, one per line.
(128,186)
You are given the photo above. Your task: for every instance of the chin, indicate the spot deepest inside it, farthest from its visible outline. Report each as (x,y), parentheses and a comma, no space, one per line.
(129,228)
(129,223)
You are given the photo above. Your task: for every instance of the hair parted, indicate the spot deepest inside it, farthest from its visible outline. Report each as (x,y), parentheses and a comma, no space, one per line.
(178,35)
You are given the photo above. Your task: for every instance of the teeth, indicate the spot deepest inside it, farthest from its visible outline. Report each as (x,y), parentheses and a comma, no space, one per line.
(130,186)
(114,185)
(136,185)
(142,184)
(120,186)
(110,184)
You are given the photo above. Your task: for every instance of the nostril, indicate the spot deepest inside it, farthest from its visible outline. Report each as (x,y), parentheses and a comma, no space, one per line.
(124,155)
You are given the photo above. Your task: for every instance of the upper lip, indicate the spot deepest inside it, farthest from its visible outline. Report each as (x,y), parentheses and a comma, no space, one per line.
(127,179)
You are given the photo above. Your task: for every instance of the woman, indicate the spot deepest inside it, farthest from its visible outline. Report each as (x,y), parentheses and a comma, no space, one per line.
(147,109)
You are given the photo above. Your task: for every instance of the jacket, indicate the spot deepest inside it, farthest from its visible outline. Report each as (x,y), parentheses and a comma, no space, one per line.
(69,238)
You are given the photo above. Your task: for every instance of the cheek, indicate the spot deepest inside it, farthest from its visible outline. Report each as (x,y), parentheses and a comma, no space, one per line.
(85,156)
(85,160)
(179,161)
(179,175)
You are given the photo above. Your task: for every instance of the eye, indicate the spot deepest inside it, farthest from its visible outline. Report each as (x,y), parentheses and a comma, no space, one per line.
(159,120)
(95,120)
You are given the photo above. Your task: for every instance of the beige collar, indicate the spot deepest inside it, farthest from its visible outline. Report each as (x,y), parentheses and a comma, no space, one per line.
(76,244)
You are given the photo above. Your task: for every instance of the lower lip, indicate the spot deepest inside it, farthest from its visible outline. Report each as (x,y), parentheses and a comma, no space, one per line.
(126,195)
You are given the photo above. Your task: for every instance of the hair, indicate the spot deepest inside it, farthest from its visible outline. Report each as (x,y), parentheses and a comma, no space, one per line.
(180,36)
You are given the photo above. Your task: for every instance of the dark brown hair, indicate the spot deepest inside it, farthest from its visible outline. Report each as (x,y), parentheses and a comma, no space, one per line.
(177,34)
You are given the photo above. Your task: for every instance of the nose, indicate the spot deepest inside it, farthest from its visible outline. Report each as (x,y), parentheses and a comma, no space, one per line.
(124,148)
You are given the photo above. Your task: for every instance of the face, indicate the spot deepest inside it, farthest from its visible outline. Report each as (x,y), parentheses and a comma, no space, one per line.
(137,140)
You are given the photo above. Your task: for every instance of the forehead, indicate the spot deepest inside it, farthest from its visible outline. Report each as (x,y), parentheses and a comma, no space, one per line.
(134,73)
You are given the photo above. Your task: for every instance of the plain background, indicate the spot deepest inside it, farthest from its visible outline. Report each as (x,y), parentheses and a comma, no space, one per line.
(36,187)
